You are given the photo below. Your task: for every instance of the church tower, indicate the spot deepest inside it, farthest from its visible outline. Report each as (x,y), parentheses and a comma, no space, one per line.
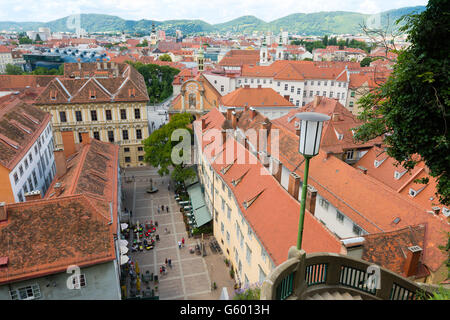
(200,59)
(279,50)
(263,52)
(153,36)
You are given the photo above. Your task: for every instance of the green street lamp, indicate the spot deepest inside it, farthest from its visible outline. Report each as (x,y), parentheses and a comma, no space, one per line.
(310,134)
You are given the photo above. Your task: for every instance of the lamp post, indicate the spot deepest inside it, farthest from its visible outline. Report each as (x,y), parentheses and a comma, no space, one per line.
(310,134)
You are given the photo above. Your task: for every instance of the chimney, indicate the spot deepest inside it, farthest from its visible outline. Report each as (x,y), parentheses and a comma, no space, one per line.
(287,97)
(85,139)
(297,131)
(3,214)
(33,195)
(229,113)
(68,142)
(362,169)
(311,196)
(336,116)
(246,143)
(60,162)
(412,261)
(234,120)
(294,185)
(277,167)
(224,136)
(203,124)
(252,113)
(316,101)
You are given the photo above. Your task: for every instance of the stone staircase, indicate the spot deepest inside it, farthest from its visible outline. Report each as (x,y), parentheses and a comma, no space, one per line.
(334,296)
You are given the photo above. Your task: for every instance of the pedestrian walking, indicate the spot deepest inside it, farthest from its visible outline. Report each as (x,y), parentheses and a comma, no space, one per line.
(131,213)
(170,263)
(160,270)
(167,208)
(162,208)
(167,263)
(179,244)
(159,211)
(156,223)
(182,241)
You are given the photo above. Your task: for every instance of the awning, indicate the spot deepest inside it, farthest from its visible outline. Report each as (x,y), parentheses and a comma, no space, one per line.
(123,259)
(201,212)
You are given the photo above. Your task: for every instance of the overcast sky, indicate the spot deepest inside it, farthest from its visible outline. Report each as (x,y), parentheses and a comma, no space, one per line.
(211,11)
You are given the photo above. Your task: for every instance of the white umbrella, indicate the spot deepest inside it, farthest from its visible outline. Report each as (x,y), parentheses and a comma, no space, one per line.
(123,243)
(124,259)
(124,226)
(123,250)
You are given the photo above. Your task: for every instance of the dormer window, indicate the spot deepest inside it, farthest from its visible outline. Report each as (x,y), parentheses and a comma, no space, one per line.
(446,211)
(398,175)
(132,92)
(92,94)
(412,192)
(340,136)
(53,94)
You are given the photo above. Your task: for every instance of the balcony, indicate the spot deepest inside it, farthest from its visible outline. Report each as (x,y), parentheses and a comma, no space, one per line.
(329,276)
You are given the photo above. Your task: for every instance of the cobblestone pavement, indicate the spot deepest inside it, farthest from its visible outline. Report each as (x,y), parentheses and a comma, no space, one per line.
(190,275)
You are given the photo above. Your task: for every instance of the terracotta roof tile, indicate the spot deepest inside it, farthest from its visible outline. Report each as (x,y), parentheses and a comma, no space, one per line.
(46,236)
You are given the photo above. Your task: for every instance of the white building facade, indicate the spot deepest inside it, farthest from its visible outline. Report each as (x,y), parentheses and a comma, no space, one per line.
(36,169)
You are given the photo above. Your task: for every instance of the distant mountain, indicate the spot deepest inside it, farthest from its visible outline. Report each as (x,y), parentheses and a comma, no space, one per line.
(319,23)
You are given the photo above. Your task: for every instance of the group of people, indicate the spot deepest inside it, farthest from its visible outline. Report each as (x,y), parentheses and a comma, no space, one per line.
(162,209)
(163,268)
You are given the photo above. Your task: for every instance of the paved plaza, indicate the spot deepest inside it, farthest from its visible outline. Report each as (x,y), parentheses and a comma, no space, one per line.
(190,275)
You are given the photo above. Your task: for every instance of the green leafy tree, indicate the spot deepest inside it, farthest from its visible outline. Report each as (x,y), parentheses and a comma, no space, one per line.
(13,69)
(325,40)
(38,38)
(157,78)
(25,40)
(365,62)
(412,107)
(158,146)
(143,44)
(165,57)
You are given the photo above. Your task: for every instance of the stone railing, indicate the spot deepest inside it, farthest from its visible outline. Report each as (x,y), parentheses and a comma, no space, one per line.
(304,275)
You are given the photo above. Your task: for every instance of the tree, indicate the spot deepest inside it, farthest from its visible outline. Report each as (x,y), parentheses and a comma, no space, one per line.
(143,44)
(38,38)
(158,147)
(157,78)
(411,109)
(165,57)
(25,40)
(325,40)
(13,69)
(365,62)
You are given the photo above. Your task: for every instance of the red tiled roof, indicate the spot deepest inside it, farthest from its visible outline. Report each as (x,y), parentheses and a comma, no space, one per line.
(43,237)
(255,97)
(342,121)
(388,249)
(366,201)
(274,215)
(18,129)
(385,173)
(115,87)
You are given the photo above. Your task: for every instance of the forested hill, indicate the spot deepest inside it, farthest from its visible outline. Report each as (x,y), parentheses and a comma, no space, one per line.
(319,23)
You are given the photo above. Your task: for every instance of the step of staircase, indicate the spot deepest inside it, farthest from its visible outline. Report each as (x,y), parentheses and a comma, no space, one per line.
(334,296)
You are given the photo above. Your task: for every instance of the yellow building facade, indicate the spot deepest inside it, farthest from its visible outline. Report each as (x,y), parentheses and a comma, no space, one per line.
(106,100)
(125,124)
